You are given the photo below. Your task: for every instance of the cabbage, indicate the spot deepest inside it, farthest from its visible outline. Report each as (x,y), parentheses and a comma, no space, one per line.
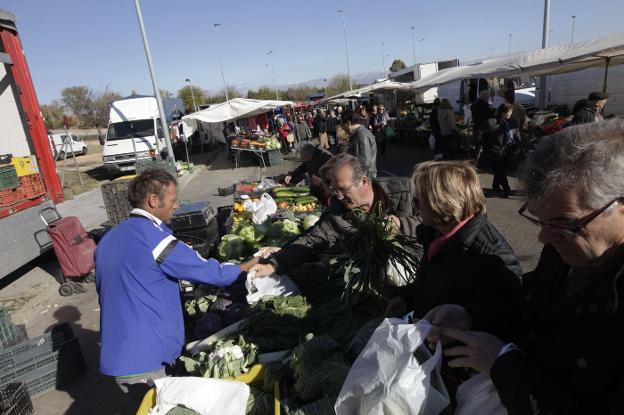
(290,227)
(309,221)
(231,247)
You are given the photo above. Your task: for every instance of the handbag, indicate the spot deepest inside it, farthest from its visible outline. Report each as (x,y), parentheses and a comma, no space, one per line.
(290,138)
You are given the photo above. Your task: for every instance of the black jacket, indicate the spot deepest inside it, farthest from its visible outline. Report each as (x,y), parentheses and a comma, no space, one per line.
(571,359)
(475,268)
(492,138)
(311,167)
(481,111)
(396,195)
(332,122)
(320,124)
(434,122)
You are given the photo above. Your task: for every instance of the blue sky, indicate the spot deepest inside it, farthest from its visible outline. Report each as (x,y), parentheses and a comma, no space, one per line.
(97,42)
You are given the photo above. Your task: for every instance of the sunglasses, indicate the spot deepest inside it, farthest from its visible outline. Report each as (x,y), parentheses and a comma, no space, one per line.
(575,227)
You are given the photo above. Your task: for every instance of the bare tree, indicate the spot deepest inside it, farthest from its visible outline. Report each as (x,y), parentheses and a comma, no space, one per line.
(98,111)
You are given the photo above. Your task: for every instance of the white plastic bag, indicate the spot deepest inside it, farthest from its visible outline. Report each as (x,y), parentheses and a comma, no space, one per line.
(432,142)
(389,378)
(203,395)
(269,286)
(478,395)
(261,209)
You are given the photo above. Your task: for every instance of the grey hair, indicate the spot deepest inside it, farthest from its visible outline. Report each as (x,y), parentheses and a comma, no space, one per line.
(358,168)
(306,150)
(587,159)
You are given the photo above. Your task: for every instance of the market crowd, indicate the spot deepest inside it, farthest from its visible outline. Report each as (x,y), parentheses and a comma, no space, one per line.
(548,338)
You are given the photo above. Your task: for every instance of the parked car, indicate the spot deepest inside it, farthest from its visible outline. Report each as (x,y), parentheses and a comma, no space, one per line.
(56,144)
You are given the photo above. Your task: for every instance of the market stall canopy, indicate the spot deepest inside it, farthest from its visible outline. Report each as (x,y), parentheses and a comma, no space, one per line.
(601,52)
(386,85)
(231,110)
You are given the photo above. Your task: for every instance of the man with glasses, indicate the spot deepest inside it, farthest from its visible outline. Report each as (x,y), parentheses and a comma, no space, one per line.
(352,187)
(566,356)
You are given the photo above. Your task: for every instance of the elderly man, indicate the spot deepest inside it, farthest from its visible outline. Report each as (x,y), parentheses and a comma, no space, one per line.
(352,188)
(567,355)
(590,109)
(138,264)
(313,158)
(362,142)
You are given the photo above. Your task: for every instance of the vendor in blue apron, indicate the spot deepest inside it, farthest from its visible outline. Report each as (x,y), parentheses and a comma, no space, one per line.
(138,264)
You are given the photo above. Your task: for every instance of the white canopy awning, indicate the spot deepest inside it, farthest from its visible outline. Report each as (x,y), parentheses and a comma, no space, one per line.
(231,110)
(386,85)
(603,51)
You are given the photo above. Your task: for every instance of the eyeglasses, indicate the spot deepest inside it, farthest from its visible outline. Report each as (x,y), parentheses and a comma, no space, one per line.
(344,191)
(573,228)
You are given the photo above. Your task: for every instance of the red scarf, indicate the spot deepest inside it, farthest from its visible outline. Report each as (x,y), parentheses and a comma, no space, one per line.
(439,242)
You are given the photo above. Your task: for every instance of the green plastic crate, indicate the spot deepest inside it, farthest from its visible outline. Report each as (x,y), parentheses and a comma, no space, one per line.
(273,158)
(8,177)
(150,164)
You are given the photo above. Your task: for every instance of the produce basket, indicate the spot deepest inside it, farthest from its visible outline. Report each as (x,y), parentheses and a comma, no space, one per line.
(10,334)
(9,197)
(273,157)
(115,195)
(32,185)
(255,376)
(14,399)
(150,164)
(8,177)
(25,166)
(226,191)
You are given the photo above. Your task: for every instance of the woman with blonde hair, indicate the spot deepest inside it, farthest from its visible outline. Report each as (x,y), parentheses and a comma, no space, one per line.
(466,260)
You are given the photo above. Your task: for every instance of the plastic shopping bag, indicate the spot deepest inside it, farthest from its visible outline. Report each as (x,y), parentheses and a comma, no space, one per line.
(269,286)
(432,142)
(395,374)
(478,395)
(261,209)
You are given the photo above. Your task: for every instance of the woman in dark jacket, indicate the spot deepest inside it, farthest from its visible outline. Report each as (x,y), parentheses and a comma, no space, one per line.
(465,258)
(499,136)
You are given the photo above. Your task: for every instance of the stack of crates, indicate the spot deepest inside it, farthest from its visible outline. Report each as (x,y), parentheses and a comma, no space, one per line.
(10,190)
(115,195)
(43,363)
(273,158)
(15,400)
(152,164)
(10,334)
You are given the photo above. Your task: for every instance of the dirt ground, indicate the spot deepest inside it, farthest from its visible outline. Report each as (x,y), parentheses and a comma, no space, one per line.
(89,165)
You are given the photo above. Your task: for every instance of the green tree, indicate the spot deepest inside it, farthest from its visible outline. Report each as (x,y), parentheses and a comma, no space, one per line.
(165,94)
(77,100)
(339,84)
(298,93)
(233,92)
(264,92)
(201,97)
(99,110)
(53,114)
(397,65)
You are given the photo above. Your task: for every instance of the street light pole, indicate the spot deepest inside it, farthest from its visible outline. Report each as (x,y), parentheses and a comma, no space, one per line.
(545,34)
(225,87)
(413,43)
(192,94)
(383,61)
(572,36)
(270,53)
(509,46)
(150,65)
(422,50)
(344,31)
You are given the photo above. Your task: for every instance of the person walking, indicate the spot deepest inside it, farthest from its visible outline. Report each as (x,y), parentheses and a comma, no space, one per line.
(320,129)
(361,141)
(448,130)
(499,137)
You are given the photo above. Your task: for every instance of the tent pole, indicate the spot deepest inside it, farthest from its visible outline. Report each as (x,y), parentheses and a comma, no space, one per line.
(606,72)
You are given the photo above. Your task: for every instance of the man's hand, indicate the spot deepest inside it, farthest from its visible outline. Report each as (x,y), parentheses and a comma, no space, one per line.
(394,220)
(287,179)
(263,270)
(245,266)
(449,316)
(266,251)
(479,352)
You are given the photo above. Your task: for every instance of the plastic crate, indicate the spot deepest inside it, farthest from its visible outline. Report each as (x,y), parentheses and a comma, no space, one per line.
(115,195)
(32,186)
(226,191)
(22,353)
(10,197)
(25,166)
(8,177)
(273,158)
(57,369)
(149,164)
(10,334)
(15,400)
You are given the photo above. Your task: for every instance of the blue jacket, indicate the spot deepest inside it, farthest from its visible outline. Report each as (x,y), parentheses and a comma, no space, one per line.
(137,267)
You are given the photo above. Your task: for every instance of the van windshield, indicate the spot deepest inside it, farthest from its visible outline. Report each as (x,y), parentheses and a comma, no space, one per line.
(130,129)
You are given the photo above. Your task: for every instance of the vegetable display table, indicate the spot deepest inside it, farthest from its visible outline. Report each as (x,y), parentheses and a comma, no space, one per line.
(237,152)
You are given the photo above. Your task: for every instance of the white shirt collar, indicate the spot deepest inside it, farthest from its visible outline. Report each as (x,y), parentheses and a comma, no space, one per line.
(148,215)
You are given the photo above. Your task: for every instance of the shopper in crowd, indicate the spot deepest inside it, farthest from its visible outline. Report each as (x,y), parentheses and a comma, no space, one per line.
(320,129)
(499,138)
(379,123)
(332,124)
(302,131)
(590,109)
(365,117)
(481,111)
(283,132)
(434,123)
(566,356)
(466,259)
(352,188)
(138,264)
(518,115)
(361,141)
(448,129)
(310,121)
(313,158)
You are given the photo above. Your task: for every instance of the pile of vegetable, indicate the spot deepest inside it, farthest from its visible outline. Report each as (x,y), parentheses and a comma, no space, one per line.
(272,143)
(296,198)
(224,359)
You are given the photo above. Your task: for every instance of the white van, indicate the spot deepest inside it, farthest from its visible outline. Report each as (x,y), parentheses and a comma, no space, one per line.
(56,145)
